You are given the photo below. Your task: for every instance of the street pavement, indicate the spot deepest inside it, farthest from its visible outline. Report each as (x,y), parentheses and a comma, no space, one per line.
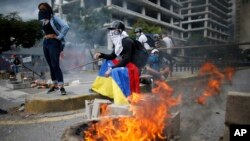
(197,122)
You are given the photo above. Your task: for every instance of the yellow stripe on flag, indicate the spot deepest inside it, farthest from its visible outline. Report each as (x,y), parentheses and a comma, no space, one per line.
(107,86)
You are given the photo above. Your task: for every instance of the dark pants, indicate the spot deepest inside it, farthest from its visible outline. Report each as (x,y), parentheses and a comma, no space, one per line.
(15,69)
(51,49)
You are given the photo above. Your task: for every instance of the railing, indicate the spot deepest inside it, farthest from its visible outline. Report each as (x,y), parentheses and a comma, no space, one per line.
(222,55)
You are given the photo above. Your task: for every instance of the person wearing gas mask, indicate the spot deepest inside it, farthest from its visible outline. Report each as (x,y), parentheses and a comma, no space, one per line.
(55,29)
(118,78)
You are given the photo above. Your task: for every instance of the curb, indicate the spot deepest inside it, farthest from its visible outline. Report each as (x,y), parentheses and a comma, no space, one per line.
(35,104)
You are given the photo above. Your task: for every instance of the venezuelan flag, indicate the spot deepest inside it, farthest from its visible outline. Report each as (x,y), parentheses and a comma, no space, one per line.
(121,83)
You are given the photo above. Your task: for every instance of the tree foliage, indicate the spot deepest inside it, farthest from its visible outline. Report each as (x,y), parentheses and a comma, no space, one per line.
(15,31)
(147,28)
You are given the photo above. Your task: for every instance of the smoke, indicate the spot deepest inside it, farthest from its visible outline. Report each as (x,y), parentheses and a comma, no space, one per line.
(74,56)
(77,50)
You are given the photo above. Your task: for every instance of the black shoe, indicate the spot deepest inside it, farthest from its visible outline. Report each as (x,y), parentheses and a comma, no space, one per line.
(52,89)
(63,92)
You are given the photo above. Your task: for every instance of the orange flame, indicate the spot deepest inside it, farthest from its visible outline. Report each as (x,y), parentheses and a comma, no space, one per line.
(215,81)
(150,113)
(229,72)
(103,109)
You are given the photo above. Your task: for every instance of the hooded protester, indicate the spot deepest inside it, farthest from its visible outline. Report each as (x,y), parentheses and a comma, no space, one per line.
(55,29)
(118,78)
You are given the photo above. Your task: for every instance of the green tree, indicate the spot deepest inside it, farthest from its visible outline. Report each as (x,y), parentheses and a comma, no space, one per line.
(31,33)
(16,31)
(147,28)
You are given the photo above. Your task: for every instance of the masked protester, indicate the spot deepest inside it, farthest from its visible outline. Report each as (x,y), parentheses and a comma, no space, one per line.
(118,78)
(55,29)
(141,37)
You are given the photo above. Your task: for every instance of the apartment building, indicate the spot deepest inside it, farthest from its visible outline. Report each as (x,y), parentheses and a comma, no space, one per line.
(211,19)
(164,13)
(242,30)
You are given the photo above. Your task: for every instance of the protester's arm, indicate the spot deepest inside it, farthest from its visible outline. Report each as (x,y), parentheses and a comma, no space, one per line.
(64,27)
(108,56)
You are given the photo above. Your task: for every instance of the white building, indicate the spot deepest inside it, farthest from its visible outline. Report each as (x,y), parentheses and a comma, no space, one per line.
(211,19)
(165,13)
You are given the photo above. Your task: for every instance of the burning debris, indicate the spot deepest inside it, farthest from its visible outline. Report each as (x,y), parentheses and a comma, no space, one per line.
(41,84)
(215,80)
(150,117)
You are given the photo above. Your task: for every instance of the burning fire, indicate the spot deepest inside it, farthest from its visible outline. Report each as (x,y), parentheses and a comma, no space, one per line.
(214,82)
(150,115)
(229,72)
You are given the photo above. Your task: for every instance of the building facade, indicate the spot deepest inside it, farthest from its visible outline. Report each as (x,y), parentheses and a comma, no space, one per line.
(164,13)
(242,30)
(211,19)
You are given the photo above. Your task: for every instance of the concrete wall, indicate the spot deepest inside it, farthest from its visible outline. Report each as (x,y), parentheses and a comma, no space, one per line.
(243,22)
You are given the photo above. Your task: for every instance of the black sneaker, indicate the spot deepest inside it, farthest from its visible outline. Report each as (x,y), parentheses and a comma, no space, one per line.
(63,92)
(52,89)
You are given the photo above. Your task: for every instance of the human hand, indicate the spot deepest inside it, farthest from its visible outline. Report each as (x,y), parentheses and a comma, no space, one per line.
(50,36)
(97,55)
(107,73)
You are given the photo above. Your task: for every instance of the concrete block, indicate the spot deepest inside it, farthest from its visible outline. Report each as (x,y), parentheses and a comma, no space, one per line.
(237,108)
(118,110)
(172,130)
(88,108)
(18,85)
(96,107)
(18,77)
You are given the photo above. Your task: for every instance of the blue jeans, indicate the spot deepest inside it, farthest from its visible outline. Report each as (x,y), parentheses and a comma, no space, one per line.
(15,69)
(51,49)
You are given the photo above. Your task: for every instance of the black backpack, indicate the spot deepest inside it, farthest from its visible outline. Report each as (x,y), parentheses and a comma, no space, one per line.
(140,55)
(150,41)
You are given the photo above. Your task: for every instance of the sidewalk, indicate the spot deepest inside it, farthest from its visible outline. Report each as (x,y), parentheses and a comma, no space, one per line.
(78,87)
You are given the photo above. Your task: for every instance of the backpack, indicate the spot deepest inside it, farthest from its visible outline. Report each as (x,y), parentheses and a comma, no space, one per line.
(140,54)
(150,41)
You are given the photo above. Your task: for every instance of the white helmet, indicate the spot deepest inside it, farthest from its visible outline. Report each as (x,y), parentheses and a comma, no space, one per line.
(154,50)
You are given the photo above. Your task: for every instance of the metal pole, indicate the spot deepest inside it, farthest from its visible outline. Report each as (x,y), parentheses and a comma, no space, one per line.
(60,8)
(52,4)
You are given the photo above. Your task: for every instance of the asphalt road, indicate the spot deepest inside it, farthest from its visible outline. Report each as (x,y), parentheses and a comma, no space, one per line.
(198,122)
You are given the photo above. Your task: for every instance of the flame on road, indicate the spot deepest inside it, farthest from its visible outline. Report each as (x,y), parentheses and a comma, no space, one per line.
(214,82)
(150,116)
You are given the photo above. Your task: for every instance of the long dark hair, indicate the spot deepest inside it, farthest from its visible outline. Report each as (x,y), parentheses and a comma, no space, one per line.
(48,7)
